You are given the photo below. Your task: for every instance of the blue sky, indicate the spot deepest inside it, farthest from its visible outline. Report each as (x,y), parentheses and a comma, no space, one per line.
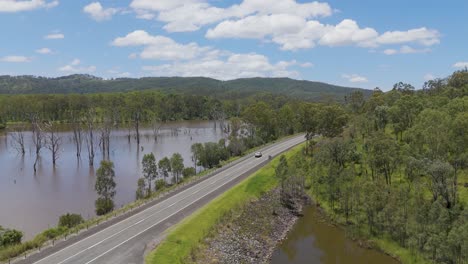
(353,43)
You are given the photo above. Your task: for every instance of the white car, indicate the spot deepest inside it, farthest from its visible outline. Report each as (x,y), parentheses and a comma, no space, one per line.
(258,154)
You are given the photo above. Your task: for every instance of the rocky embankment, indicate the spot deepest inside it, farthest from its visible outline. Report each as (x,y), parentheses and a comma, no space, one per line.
(251,234)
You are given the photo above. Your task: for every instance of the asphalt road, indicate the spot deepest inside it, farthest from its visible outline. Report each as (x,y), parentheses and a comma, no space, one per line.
(127,240)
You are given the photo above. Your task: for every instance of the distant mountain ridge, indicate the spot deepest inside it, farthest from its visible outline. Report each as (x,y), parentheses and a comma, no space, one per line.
(238,88)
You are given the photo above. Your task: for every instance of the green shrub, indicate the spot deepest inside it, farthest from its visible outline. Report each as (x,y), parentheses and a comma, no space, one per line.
(159,184)
(10,237)
(52,233)
(104,206)
(188,172)
(70,220)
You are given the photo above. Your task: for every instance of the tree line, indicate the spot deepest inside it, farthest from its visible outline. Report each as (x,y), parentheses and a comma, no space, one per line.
(398,169)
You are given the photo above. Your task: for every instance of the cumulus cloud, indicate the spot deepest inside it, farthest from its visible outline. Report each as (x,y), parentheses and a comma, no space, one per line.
(14,58)
(12,6)
(423,36)
(461,64)
(74,67)
(160,47)
(406,50)
(290,24)
(194,60)
(44,51)
(54,36)
(231,67)
(98,12)
(355,78)
(348,32)
(190,15)
(293,32)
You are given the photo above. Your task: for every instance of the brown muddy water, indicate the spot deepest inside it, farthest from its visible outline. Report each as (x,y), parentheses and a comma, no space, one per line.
(32,203)
(313,240)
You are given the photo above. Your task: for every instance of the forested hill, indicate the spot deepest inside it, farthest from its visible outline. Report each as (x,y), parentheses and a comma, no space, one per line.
(239,88)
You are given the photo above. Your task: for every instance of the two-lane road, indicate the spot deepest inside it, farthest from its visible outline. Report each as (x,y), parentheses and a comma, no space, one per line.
(126,241)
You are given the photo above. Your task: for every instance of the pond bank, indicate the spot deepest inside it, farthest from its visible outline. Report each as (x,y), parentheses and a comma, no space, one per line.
(251,235)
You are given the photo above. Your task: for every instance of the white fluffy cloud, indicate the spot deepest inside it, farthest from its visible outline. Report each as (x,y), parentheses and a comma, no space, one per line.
(15,58)
(355,78)
(423,36)
(190,15)
(461,64)
(74,67)
(12,6)
(44,51)
(99,13)
(54,36)
(232,67)
(293,32)
(258,26)
(348,32)
(290,24)
(194,60)
(160,47)
(406,50)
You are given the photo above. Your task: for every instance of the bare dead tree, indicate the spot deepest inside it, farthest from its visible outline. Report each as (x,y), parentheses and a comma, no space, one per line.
(136,123)
(53,140)
(89,126)
(156,125)
(18,140)
(104,137)
(37,138)
(219,116)
(77,133)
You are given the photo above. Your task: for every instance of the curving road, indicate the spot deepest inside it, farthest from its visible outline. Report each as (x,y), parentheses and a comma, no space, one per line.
(127,240)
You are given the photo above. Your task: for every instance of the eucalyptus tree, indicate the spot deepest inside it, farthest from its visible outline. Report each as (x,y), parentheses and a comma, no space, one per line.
(177,165)
(105,188)
(150,170)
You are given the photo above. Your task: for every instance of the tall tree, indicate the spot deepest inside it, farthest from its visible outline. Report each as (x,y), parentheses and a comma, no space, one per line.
(164,167)
(105,188)
(150,170)
(177,165)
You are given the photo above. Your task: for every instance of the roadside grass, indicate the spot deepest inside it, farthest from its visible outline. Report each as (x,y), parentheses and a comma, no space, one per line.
(183,239)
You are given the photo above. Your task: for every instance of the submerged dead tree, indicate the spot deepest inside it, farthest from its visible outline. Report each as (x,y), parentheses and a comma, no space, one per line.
(104,137)
(77,133)
(53,140)
(89,135)
(18,140)
(156,125)
(37,138)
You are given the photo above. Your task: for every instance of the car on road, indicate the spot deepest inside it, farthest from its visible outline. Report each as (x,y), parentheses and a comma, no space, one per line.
(258,154)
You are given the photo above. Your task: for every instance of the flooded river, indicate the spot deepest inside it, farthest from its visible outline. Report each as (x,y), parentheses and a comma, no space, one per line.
(313,240)
(32,203)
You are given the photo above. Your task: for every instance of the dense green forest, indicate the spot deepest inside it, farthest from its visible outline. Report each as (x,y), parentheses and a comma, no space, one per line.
(234,89)
(397,173)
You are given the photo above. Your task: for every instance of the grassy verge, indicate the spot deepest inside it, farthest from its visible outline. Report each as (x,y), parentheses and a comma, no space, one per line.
(184,237)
